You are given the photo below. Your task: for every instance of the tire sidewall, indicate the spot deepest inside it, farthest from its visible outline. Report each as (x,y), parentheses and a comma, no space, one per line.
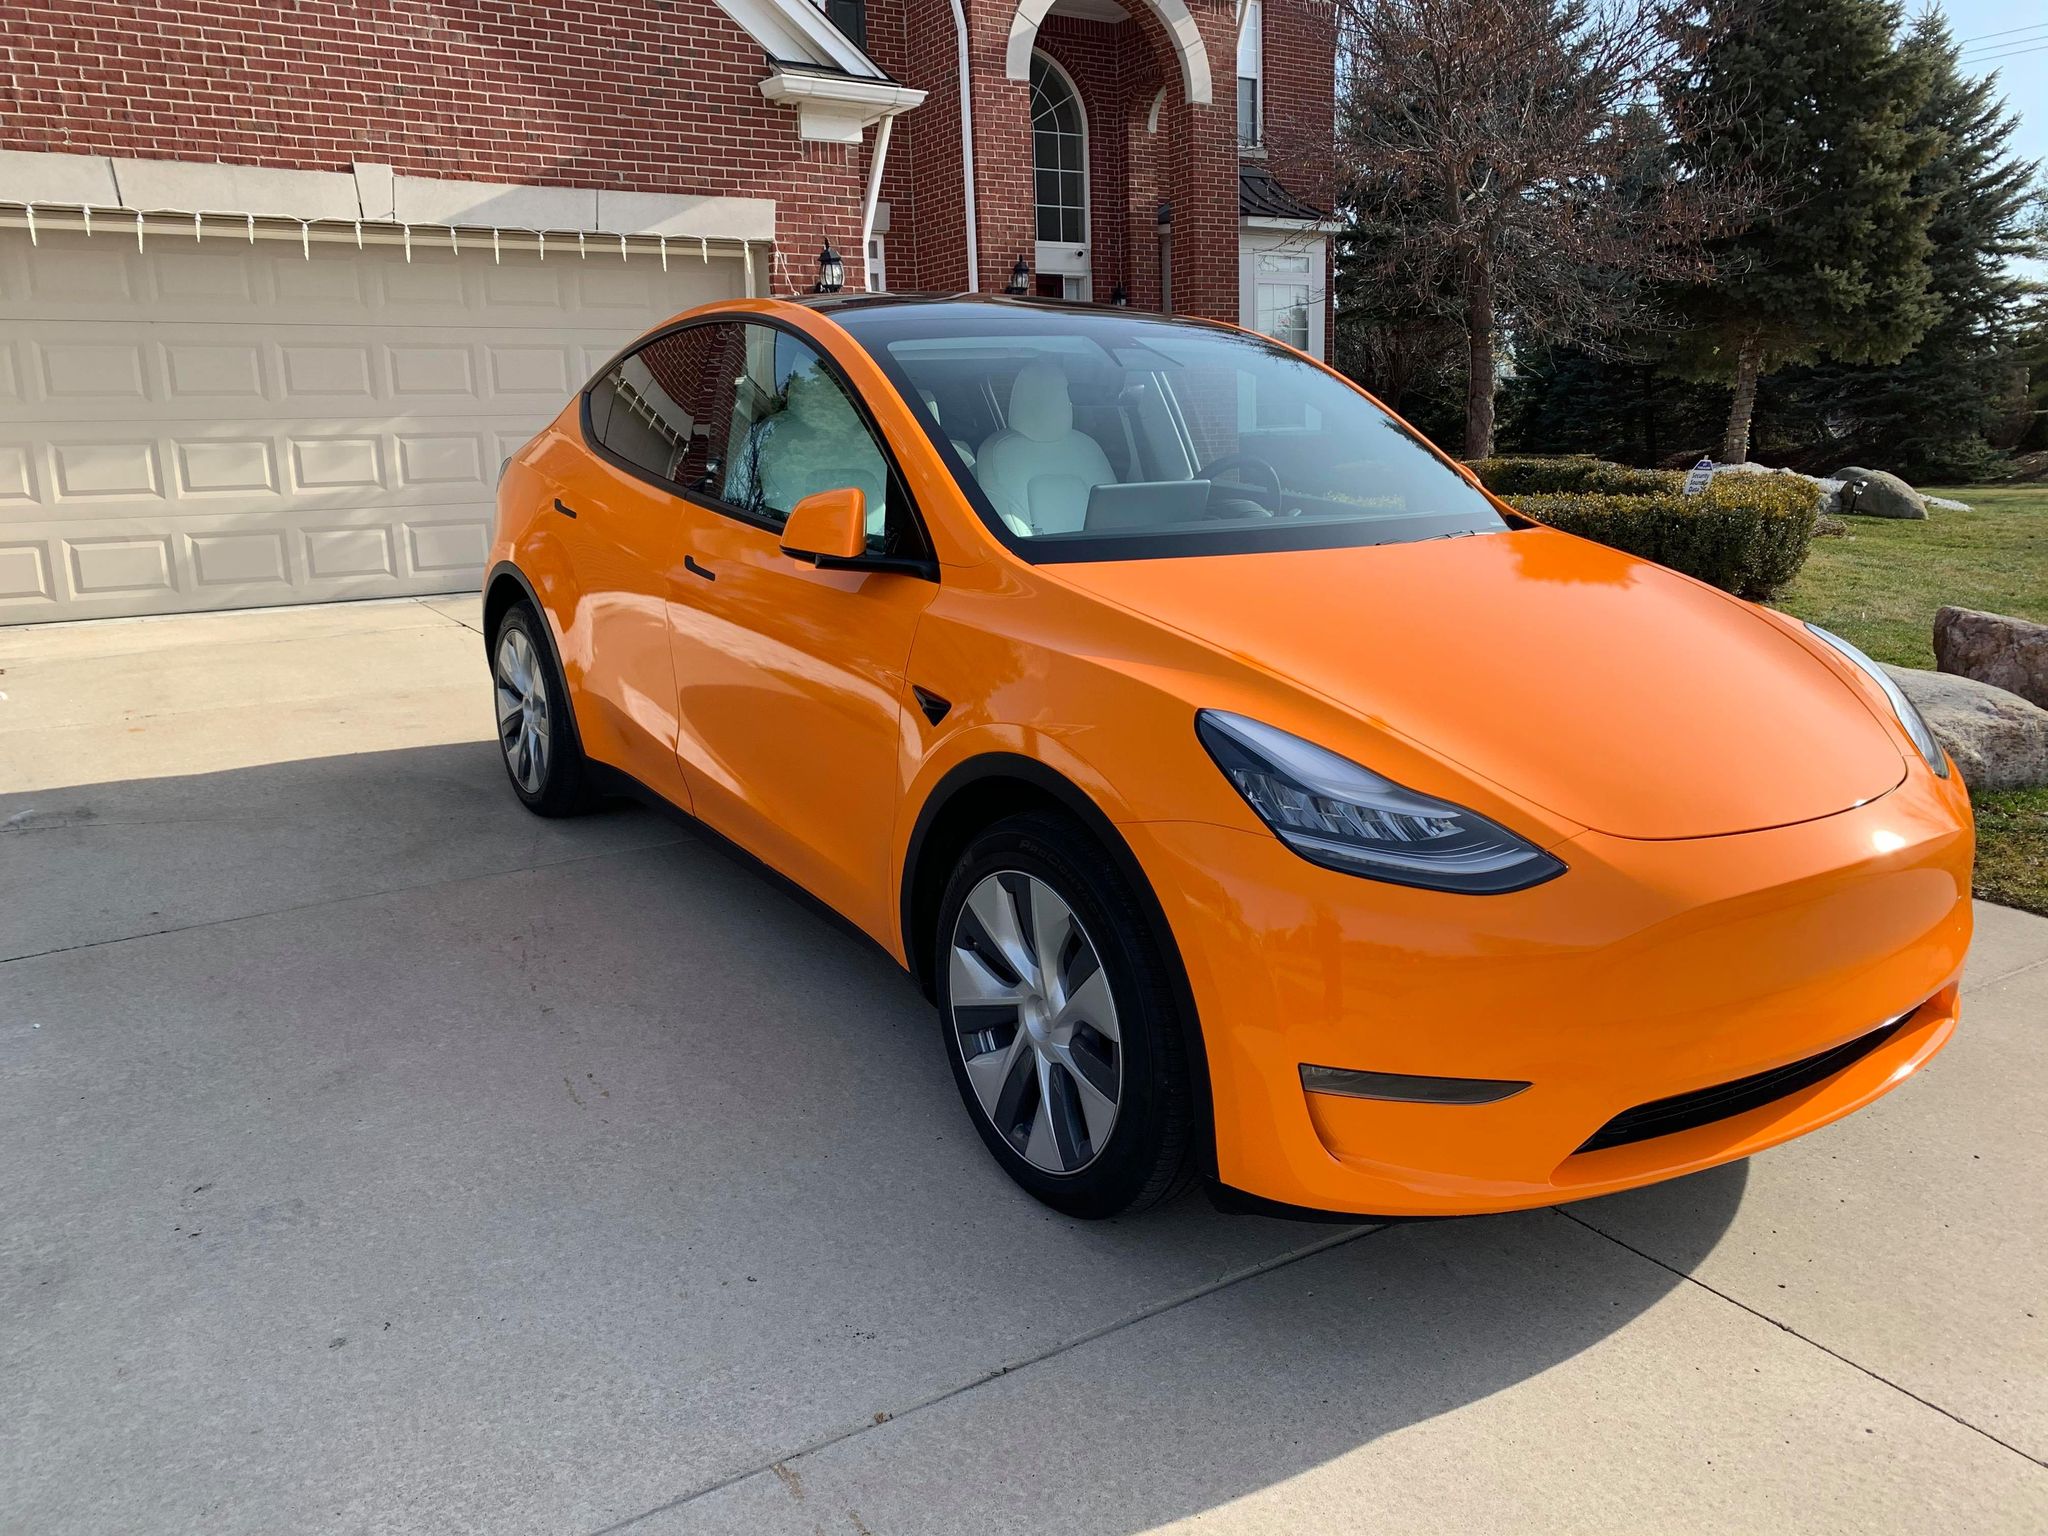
(1153,1074)
(560,786)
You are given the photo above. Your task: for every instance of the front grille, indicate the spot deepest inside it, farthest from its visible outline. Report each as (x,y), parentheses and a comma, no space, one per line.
(1703,1106)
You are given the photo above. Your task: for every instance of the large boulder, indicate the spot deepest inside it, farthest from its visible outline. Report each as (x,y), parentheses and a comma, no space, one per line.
(1998,739)
(2005,652)
(1873,493)
(1830,490)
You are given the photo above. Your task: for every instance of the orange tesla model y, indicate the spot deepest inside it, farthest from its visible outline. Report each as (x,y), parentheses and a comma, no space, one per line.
(1255,796)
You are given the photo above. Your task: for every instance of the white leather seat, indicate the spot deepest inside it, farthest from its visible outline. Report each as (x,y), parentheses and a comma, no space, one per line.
(931,403)
(1038,470)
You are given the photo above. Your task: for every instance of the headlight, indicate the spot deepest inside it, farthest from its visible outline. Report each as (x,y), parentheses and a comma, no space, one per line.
(1902,706)
(1334,813)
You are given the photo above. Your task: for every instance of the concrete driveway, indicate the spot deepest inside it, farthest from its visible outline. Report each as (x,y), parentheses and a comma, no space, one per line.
(380,1158)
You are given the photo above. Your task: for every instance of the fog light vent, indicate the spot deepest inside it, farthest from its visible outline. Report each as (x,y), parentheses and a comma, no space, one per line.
(1402,1088)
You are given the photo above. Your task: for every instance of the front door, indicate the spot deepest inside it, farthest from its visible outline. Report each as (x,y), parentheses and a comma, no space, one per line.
(1059,163)
(790,679)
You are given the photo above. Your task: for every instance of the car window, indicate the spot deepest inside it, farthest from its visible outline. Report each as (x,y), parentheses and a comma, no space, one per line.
(793,430)
(653,407)
(1127,436)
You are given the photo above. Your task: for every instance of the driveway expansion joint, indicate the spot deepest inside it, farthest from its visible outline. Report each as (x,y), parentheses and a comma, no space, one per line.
(782,1463)
(1854,1365)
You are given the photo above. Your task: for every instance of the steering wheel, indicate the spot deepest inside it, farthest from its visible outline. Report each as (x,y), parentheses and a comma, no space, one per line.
(1260,469)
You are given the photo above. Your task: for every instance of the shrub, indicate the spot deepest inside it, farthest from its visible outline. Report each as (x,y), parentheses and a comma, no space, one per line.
(1512,477)
(1747,534)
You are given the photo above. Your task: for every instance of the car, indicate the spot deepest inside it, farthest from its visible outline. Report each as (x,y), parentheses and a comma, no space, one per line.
(1255,796)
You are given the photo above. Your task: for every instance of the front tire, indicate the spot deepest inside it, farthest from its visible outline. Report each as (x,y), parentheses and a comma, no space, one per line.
(536,731)
(1060,1021)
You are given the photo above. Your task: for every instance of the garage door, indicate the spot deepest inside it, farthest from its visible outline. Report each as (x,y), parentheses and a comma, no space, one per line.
(216,424)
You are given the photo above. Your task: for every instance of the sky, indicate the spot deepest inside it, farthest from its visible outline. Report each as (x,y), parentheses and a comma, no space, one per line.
(2010,37)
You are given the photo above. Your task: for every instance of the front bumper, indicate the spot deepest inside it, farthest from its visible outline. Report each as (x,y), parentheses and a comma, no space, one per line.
(1647,971)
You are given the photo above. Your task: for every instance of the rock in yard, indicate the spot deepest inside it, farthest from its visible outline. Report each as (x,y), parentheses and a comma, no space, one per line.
(1873,493)
(1830,490)
(1998,739)
(2005,652)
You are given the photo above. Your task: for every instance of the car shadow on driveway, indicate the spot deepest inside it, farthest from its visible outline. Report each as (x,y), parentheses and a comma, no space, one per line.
(385,1155)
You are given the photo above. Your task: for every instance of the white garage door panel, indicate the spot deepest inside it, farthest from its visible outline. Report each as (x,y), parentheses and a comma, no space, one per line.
(221,425)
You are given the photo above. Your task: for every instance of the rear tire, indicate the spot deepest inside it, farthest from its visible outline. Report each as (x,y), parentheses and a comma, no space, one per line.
(1060,1021)
(536,731)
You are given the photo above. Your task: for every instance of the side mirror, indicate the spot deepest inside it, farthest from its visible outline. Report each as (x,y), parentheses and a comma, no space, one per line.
(828,525)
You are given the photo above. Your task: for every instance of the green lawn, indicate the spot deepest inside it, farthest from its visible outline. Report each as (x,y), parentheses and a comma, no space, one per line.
(1878,587)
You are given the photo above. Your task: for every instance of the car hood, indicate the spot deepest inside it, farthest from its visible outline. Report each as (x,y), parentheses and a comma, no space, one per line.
(1608,690)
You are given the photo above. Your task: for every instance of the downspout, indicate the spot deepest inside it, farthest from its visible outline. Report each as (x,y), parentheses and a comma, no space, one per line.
(967,152)
(867,210)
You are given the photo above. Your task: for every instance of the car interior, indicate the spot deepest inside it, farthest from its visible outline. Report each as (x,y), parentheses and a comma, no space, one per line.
(1061,436)
(1075,441)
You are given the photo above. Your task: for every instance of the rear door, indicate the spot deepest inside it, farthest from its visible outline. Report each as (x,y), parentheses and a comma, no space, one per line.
(621,517)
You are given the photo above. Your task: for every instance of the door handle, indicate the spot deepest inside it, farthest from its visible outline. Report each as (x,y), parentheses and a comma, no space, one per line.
(563,508)
(690,564)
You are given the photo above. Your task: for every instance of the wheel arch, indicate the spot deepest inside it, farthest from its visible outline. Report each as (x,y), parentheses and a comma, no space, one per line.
(983,790)
(505,585)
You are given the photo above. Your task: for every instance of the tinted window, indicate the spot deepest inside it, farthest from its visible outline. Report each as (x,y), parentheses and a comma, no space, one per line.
(1123,436)
(793,430)
(654,408)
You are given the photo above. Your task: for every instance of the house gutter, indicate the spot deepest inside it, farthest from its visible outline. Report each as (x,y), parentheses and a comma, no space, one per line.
(867,209)
(967,152)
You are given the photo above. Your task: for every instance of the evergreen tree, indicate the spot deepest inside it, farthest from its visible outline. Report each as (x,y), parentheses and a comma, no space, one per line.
(1505,156)
(1933,413)
(1814,98)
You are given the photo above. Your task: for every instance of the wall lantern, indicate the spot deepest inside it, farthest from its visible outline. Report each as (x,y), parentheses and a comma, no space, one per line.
(831,270)
(1020,279)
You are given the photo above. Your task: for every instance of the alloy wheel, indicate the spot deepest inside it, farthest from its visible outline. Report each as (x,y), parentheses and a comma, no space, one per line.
(522,697)
(1036,1023)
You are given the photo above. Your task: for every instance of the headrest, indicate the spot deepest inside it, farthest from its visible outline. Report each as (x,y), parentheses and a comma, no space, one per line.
(931,403)
(814,400)
(1040,407)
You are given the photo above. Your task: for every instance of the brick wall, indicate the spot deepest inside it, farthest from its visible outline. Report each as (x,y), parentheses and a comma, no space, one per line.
(663,96)
(645,95)
(1301,77)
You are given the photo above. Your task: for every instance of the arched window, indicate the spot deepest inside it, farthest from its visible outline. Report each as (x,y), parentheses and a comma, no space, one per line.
(1059,154)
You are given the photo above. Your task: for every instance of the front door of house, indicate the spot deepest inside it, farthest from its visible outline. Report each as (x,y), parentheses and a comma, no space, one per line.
(1059,160)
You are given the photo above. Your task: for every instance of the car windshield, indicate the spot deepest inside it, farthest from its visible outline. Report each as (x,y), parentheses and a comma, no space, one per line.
(1101,435)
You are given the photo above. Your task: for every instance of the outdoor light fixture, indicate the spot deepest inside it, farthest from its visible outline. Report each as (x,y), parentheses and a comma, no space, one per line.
(831,270)
(1118,297)
(1020,279)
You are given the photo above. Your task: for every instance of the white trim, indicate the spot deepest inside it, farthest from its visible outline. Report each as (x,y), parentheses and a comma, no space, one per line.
(1181,31)
(967,151)
(876,161)
(370,193)
(45,176)
(836,109)
(1253,243)
(797,31)
(1292,226)
(241,229)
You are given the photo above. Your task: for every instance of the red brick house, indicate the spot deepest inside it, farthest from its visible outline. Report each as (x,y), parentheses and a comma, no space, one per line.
(281,283)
